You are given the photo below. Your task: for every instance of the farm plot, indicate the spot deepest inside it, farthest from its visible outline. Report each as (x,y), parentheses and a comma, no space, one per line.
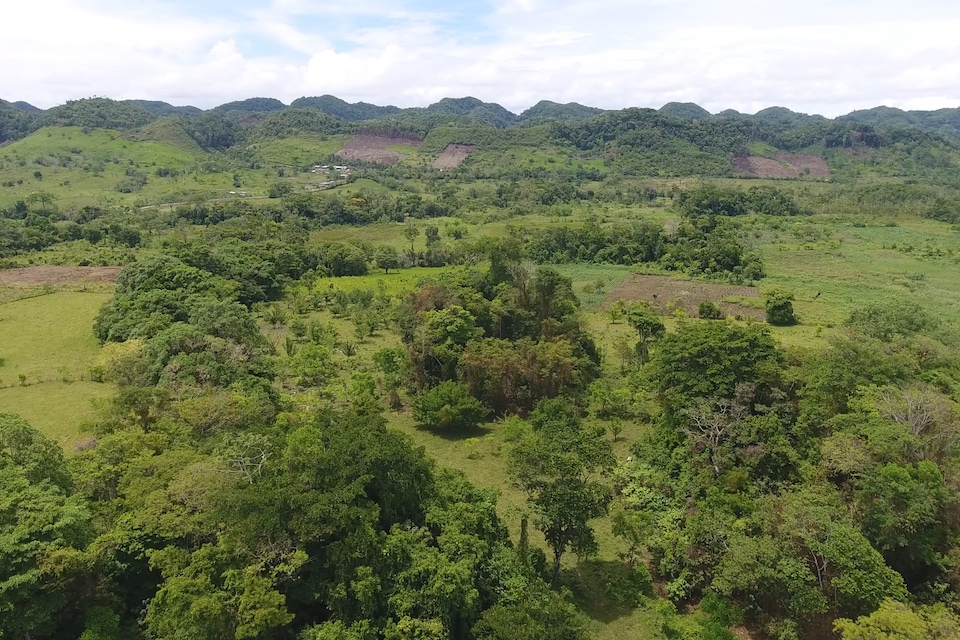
(667,294)
(453,156)
(368,147)
(54,275)
(783,165)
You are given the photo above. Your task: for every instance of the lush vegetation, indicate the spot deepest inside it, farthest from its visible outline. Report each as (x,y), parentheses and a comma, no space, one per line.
(569,389)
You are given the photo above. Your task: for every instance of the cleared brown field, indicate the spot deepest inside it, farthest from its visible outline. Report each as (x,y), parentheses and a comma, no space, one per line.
(783,165)
(48,274)
(453,156)
(666,294)
(371,147)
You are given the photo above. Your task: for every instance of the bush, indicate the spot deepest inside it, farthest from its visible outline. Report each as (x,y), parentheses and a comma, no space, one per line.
(709,311)
(779,307)
(449,405)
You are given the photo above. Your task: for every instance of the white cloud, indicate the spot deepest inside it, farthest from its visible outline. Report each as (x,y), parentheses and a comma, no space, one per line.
(745,54)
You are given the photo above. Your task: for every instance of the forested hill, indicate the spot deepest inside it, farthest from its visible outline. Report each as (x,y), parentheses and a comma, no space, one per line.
(18,119)
(678,140)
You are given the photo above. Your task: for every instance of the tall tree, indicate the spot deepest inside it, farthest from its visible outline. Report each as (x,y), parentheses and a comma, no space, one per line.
(42,533)
(648,325)
(558,466)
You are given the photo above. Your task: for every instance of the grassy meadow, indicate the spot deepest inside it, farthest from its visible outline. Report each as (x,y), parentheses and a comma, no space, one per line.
(300,151)
(48,339)
(98,167)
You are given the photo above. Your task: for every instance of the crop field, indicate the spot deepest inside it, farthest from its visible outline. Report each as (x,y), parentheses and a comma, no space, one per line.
(381,149)
(666,294)
(453,156)
(57,275)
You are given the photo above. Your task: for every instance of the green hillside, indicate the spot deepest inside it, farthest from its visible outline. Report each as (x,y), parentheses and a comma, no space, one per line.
(15,123)
(298,151)
(342,109)
(92,167)
(547,110)
(100,113)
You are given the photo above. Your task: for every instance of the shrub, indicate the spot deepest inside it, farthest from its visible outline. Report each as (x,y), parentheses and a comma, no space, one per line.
(709,311)
(449,405)
(779,307)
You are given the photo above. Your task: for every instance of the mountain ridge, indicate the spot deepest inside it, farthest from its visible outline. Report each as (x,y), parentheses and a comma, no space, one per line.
(944,120)
(679,138)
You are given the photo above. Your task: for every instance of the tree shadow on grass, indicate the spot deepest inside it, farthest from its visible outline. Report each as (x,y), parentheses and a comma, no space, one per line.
(607,589)
(457,434)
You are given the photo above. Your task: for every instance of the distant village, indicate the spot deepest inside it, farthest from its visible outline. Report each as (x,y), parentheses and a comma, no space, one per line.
(342,170)
(343,173)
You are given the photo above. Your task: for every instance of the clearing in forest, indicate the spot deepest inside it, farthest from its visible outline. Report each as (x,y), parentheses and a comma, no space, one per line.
(453,156)
(782,165)
(375,147)
(54,275)
(46,348)
(665,294)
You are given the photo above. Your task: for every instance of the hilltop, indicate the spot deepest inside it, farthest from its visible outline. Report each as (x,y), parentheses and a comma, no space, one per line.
(942,121)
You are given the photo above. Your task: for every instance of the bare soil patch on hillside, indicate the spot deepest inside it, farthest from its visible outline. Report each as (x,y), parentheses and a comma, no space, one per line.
(783,165)
(54,275)
(665,294)
(453,156)
(370,147)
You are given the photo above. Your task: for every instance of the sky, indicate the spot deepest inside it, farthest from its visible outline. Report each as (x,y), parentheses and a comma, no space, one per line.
(816,56)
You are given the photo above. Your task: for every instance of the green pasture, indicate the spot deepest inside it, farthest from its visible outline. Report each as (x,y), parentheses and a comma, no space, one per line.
(48,340)
(398,282)
(391,233)
(299,151)
(848,267)
(362,186)
(56,408)
(78,168)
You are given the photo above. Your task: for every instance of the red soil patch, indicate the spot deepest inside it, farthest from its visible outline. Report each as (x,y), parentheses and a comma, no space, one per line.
(784,165)
(453,156)
(666,294)
(46,274)
(372,147)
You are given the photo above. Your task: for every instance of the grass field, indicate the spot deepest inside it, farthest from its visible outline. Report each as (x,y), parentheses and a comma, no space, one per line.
(85,168)
(56,408)
(846,267)
(79,168)
(362,185)
(396,283)
(48,340)
(298,151)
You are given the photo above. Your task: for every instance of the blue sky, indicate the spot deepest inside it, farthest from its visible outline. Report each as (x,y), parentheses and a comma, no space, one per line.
(817,56)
